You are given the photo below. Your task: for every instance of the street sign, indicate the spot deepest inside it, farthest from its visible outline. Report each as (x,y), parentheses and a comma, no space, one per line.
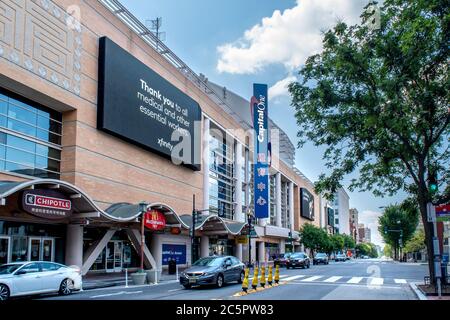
(431,213)
(241,240)
(443,212)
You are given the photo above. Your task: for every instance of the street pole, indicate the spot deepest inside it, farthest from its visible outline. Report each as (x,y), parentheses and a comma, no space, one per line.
(143,209)
(431,210)
(193,230)
(249,218)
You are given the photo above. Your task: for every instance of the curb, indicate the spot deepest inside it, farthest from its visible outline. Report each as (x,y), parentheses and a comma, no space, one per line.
(119,286)
(417,291)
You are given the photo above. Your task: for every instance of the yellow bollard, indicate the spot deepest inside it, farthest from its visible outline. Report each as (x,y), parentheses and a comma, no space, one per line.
(255,278)
(277,274)
(245,282)
(269,278)
(262,280)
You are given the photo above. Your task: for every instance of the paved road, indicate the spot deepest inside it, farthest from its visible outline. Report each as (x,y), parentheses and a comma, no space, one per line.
(350,280)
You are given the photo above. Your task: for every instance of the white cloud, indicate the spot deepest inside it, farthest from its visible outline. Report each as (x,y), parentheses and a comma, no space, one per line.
(370,220)
(287,37)
(280,88)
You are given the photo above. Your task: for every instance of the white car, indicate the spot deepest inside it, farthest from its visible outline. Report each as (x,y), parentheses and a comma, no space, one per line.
(28,278)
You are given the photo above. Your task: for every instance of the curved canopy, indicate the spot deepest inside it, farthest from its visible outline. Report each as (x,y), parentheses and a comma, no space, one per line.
(214,223)
(83,204)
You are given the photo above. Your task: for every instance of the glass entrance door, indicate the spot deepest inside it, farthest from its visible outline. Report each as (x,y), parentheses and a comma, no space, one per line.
(5,244)
(40,249)
(114,256)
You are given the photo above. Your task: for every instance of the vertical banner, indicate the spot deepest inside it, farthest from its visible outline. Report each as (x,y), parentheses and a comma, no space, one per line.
(259,106)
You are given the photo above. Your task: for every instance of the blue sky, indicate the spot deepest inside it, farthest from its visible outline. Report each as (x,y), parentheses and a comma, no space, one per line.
(236,43)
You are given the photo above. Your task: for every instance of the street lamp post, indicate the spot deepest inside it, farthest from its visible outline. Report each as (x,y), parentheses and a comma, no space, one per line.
(143,209)
(249,221)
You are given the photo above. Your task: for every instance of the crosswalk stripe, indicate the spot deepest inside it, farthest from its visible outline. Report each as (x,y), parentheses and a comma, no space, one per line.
(376,281)
(332,279)
(283,276)
(355,280)
(311,278)
(400,280)
(294,277)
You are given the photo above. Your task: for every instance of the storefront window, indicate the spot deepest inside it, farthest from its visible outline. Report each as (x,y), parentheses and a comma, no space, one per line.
(30,138)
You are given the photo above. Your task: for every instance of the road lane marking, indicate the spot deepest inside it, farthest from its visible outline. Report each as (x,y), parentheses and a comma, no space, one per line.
(376,281)
(355,280)
(400,280)
(115,294)
(294,277)
(173,290)
(332,279)
(283,276)
(311,279)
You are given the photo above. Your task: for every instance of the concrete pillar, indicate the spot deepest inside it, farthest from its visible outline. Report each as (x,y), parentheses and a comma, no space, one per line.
(238,214)
(282,246)
(261,252)
(278,198)
(156,249)
(74,245)
(205,164)
(239,251)
(247,173)
(204,246)
(291,205)
(253,253)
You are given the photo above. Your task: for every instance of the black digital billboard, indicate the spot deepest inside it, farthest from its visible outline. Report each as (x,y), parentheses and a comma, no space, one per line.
(138,105)
(307,204)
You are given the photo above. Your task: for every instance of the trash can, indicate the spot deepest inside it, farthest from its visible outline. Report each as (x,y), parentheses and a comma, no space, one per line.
(172,266)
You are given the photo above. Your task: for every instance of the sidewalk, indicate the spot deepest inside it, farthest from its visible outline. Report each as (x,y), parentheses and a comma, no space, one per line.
(105,280)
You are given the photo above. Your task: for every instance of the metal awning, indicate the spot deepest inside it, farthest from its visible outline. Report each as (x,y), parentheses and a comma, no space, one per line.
(214,223)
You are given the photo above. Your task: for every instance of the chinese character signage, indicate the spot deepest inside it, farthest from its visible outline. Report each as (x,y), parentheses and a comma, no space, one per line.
(259,106)
(47,204)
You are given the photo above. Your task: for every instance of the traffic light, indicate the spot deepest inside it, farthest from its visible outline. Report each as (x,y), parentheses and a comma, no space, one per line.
(432,182)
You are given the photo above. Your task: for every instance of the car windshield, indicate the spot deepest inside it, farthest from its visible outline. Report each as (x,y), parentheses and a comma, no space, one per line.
(320,255)
(9,268)
(296,255)
(209,261)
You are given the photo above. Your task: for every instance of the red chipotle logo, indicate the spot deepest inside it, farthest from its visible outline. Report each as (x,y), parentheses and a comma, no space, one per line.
(46,204)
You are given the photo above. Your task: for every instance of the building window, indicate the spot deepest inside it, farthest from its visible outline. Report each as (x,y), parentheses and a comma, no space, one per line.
(221,177)
(272,201)
(30,138)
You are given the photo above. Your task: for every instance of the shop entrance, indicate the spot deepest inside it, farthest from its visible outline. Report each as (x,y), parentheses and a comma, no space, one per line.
(114,255)
(4,250)
(41,249)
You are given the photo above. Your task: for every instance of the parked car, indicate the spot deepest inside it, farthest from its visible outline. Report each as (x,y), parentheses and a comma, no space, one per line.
(281,258)
(365,257)
(298,259)
(214,270)
(320,258)
(36,277)
(340,257)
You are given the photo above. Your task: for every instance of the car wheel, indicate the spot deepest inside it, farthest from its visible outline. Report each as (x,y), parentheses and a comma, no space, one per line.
(307,265)
(241,277)
(287,267)
(219,281)
(4,292)
(187,286)
(66,287)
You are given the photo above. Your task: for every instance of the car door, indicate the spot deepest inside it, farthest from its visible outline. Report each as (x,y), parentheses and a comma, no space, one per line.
(28,279)
(52,275)
(237,268)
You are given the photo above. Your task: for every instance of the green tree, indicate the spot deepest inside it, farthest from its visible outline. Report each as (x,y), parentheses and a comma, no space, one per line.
(349,242)
(398,223)
(314,238)
(387,251)
(416,243)
(377,99)
(337,242)
(367,249)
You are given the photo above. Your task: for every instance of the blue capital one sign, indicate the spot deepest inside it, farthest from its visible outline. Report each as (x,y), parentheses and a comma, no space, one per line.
(259,105)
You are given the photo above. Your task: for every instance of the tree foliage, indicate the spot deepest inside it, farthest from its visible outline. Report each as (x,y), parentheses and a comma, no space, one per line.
(404,217)
(378,99)
(416,243)
(366,249)
(314,238)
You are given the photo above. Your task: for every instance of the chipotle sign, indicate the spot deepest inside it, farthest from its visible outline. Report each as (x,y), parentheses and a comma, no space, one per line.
(47,204)
(154,220)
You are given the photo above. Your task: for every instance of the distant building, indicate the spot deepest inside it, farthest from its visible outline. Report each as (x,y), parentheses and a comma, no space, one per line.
(364,233)
(341,209)
(354,224)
